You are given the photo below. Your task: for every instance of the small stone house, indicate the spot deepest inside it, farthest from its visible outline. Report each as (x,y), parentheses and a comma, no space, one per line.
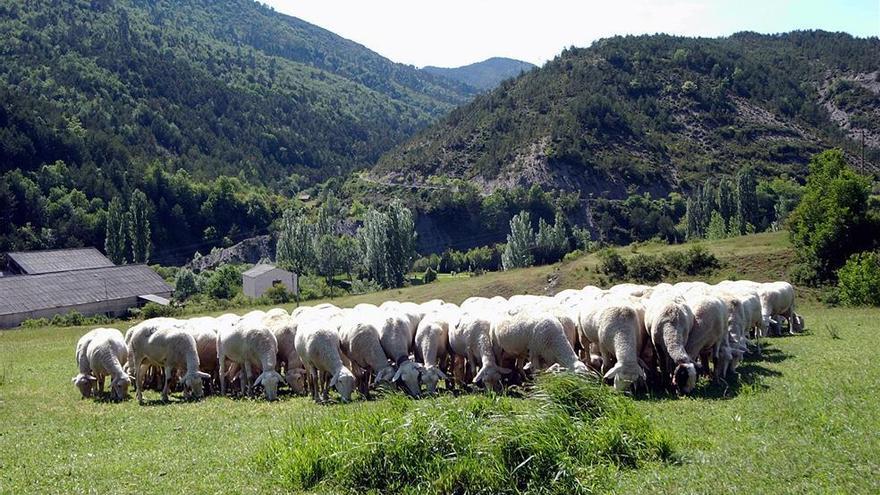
(260,278)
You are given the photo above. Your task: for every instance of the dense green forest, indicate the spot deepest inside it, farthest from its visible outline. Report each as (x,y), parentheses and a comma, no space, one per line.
(483,75)
(657,114)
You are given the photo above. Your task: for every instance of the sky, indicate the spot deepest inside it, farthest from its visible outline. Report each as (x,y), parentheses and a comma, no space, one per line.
(451,33)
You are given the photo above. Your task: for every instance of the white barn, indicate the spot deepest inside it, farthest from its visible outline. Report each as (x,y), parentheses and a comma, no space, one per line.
(260,278)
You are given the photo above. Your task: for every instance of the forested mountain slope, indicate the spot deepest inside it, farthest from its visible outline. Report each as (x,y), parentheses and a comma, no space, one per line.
(214,87)
(483,75)
(659,113)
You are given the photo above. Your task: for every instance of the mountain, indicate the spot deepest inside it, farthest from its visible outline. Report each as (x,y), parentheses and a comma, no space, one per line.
(223,87)
(483,75)
(658,114)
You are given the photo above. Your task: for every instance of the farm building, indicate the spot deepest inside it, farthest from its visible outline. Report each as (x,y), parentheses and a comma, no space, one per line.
(261,277)
(40,284)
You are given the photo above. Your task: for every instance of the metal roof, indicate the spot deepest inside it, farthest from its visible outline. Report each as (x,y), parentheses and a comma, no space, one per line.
(57,290)
(258,270)
(58,260)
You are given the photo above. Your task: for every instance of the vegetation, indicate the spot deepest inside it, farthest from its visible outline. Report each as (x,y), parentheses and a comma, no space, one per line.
(483,75)
(858,281)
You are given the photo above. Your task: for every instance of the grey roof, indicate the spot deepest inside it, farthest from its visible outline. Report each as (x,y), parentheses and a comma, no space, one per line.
(258,270)
(59,260)
(57,290)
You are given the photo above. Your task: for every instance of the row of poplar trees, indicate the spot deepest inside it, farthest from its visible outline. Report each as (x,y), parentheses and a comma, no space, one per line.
(128,230)
(730,208)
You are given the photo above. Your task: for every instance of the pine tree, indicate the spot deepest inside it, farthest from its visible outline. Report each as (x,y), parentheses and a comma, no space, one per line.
(139,227)
(520,242)
(114,240)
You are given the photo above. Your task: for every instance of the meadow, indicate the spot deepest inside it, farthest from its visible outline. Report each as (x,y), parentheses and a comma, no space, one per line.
(801,418)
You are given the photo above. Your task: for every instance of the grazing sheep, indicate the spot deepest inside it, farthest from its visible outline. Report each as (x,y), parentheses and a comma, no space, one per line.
(168,345)
(614,324)
(204,331)
(396,336)
(359,341)
(283,327)
(777,299)
(251,344)
(669,320)
(99,353)
(431,346)
(318,347)
(634,290)
(470,342)
(708,336)
(538,336)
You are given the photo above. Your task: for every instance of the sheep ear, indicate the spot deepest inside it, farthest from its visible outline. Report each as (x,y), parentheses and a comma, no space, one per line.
(91,378)
(612,372)
(527,366)
(259,379)
(334,380)
(203,375)
(396,375)
(74,379)
(479,375)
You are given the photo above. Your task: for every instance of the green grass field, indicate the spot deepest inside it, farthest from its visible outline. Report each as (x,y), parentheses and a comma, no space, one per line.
(802,419)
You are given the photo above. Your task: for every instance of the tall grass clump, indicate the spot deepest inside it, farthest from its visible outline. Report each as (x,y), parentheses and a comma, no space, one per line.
(569,435)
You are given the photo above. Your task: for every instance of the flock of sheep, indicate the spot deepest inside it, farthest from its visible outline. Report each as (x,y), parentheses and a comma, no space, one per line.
(630,333)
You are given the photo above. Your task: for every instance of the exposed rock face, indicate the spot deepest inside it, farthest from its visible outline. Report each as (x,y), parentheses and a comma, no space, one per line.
(250,250)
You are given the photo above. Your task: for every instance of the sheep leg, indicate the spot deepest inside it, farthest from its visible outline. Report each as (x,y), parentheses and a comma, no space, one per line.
(325,384)
(222,372)
(101,378)
(138,380)
(165,389)
(248,378)
(313,382)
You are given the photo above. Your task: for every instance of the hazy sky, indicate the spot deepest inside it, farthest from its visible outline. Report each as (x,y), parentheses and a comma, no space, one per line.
(450,33)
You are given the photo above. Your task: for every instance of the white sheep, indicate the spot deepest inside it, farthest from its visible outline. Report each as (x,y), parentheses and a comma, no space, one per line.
(536,335)
(359,341)
(396,335)
(777,299)
(431,346)
(283,326)
(318,347)
(204,331)
(708,338)
(252,345)
(614,324)
(102,352)
(470,342)
(168,345)
(669,320)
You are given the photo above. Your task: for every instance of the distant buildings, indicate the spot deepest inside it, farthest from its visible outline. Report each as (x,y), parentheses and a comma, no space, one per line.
(38,284)
(260,278)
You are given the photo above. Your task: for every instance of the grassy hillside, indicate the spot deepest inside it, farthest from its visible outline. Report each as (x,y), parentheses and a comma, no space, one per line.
(658,113)
(483,75)
(799,419)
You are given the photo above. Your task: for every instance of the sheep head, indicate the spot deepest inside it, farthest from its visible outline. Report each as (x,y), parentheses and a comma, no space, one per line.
(119,387)
(491,375)
(684,378)
(343,381)
(269,380)
(193,382)
(84,384)
(429,378)
(408,374)
(625,376)
(296,378)
(385,374)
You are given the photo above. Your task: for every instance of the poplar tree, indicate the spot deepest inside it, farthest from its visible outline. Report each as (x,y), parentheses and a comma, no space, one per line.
(295,242)
(114,239)
(139,227)
(518,251)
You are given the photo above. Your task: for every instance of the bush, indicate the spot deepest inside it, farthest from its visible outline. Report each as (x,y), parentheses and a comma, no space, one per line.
(697,260)
(185,285)
(361,286)
(313,288)
(646,268)
(570,436)
(35,323)
(278,294)
(153,310)
(611,263)
(429,276)
(859,280)
(224,282)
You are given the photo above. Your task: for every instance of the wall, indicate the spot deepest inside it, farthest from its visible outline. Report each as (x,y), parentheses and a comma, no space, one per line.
(115,307)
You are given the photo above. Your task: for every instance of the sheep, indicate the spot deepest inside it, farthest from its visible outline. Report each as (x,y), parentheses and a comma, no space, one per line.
(166,344)
(708,336)
(669,320)
(614,324)
(318,347)
(100,352)
(204,331)
(470,343)
(283,327)
(431,347)
(396,335)
(359,341)
(536,335)
(251,344)
(777,299)
(634,290)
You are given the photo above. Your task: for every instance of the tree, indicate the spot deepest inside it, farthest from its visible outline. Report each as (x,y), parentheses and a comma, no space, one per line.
(139,227)
(518,251)
(726,202)
(349,256)
(185,285)
(746,200)
(327,258)
(373,244)
(224,283)
(716,229)
(294,250)
(551,243)
(692,220)
(831,222)
(115,238)
(388,244)
(859,280)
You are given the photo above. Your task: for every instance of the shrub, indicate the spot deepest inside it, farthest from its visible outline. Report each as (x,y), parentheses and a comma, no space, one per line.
(278,294)
(153,310)
(224,282)
(697,260)
(185,285)
(611,263)
(35,323)
(859,280)
(646,268)
(571,435)
(362,286)
(429,276)
(313,288)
